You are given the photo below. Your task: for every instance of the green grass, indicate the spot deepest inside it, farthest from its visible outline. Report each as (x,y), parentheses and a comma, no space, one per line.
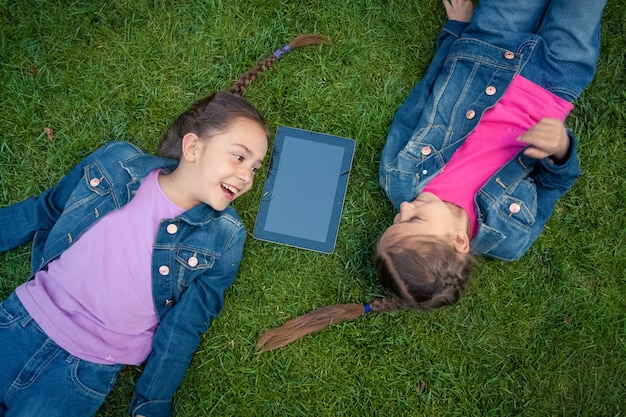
(543,336)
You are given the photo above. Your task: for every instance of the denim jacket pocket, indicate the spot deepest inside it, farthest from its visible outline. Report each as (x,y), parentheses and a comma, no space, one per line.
(95,183)
(192,262)
(520,203)
(516,210)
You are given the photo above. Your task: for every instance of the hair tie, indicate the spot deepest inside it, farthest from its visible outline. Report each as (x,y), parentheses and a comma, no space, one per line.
(367,308)
(281,51)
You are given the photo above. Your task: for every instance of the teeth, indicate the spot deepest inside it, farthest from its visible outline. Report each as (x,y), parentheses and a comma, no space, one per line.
(229,188)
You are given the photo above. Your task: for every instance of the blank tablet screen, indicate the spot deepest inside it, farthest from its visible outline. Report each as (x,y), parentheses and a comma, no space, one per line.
(305,189)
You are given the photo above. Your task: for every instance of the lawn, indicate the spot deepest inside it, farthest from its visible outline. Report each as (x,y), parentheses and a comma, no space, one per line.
(542,336)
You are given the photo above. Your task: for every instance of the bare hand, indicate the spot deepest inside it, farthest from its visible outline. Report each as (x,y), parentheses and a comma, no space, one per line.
(546,138)
(460,10)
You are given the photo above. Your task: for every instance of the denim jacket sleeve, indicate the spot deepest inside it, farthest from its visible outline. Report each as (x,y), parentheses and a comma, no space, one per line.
(553,181)
(35,217)
(533,187)
(179,332)
(408,115)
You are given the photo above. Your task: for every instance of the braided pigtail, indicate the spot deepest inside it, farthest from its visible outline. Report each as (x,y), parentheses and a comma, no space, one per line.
(321,318)
(239,88)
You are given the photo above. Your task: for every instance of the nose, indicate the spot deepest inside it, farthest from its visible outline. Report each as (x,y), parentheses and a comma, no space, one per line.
(245,176)
(406,210)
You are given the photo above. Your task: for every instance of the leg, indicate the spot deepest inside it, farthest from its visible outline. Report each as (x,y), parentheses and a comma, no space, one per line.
(570,30)
(42,379)
(505,16)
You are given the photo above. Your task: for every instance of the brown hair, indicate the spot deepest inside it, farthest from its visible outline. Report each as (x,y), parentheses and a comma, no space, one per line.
(423,272)
(239,88)
(423,275)
(213,114)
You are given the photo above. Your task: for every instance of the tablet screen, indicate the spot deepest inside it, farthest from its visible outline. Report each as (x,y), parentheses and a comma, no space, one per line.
(305,188)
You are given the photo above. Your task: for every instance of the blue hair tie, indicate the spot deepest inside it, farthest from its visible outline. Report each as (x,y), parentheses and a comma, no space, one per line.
(281,51)
(367,308)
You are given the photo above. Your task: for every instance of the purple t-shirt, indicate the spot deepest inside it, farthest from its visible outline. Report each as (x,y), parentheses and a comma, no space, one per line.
(95,300)
(494,142)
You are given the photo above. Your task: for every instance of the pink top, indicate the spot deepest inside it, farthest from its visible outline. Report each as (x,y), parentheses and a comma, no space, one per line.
(95,300)
(494,143)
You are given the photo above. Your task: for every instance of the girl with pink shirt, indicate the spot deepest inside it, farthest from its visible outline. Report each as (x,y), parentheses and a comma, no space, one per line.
(478,155)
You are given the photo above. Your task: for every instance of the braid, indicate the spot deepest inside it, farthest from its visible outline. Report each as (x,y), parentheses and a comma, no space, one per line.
(387,303)
(321,318)
(455,281)
(241,85)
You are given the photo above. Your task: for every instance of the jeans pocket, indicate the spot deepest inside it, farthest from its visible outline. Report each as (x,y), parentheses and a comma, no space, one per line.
(93,379)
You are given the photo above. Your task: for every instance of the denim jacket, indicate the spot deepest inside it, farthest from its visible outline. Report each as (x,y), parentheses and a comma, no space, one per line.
(442,110)
(193,263)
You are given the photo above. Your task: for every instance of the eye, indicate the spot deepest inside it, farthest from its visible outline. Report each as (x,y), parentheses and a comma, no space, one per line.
(238,157)
(255,170)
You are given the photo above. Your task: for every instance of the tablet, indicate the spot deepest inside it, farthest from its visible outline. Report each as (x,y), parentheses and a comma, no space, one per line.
(305,189)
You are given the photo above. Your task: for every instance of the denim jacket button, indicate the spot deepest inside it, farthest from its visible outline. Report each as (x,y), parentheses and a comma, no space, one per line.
(193,261)
(426,150)
(470,114)
(94,182)
(424,172)
(164,270)
(509,55)
(172,228)
(514,208)
(491,90)
(169,303)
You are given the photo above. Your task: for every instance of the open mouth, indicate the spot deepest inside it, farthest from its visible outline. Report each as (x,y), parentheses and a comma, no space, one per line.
(229,191)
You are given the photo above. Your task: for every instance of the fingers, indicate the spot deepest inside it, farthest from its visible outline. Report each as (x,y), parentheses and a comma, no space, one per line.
(546,138)
(460,10)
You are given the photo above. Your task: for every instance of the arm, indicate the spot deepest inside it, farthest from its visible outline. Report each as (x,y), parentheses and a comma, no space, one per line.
(536,185)
(557,169)
(178,334)
(21,220)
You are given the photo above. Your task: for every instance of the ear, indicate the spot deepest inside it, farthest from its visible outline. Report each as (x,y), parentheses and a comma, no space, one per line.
(190,146)
(461,242)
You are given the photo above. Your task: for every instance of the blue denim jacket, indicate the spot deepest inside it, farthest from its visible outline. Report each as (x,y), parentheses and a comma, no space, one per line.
(443,109)
(186,297)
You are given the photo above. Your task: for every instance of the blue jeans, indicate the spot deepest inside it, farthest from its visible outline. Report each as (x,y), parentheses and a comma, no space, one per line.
(38,378)
(569,29)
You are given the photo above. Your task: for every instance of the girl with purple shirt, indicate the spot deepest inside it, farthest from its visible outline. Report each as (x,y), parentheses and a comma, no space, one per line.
(478,154)
(132,254)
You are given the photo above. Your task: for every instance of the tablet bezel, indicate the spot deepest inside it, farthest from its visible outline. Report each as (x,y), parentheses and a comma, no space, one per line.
(327,246)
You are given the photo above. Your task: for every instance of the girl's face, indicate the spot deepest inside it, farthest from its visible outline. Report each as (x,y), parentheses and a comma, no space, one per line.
(223,165)
(427,215)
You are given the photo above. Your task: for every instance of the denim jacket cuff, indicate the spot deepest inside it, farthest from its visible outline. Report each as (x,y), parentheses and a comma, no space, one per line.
(455,28)
(155,408)
(566,163)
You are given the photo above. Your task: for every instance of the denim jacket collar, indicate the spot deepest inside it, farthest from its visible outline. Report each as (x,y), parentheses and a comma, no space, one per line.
(142,164)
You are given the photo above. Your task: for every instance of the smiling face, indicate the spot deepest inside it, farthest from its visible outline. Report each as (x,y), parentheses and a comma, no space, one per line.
(220,168)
